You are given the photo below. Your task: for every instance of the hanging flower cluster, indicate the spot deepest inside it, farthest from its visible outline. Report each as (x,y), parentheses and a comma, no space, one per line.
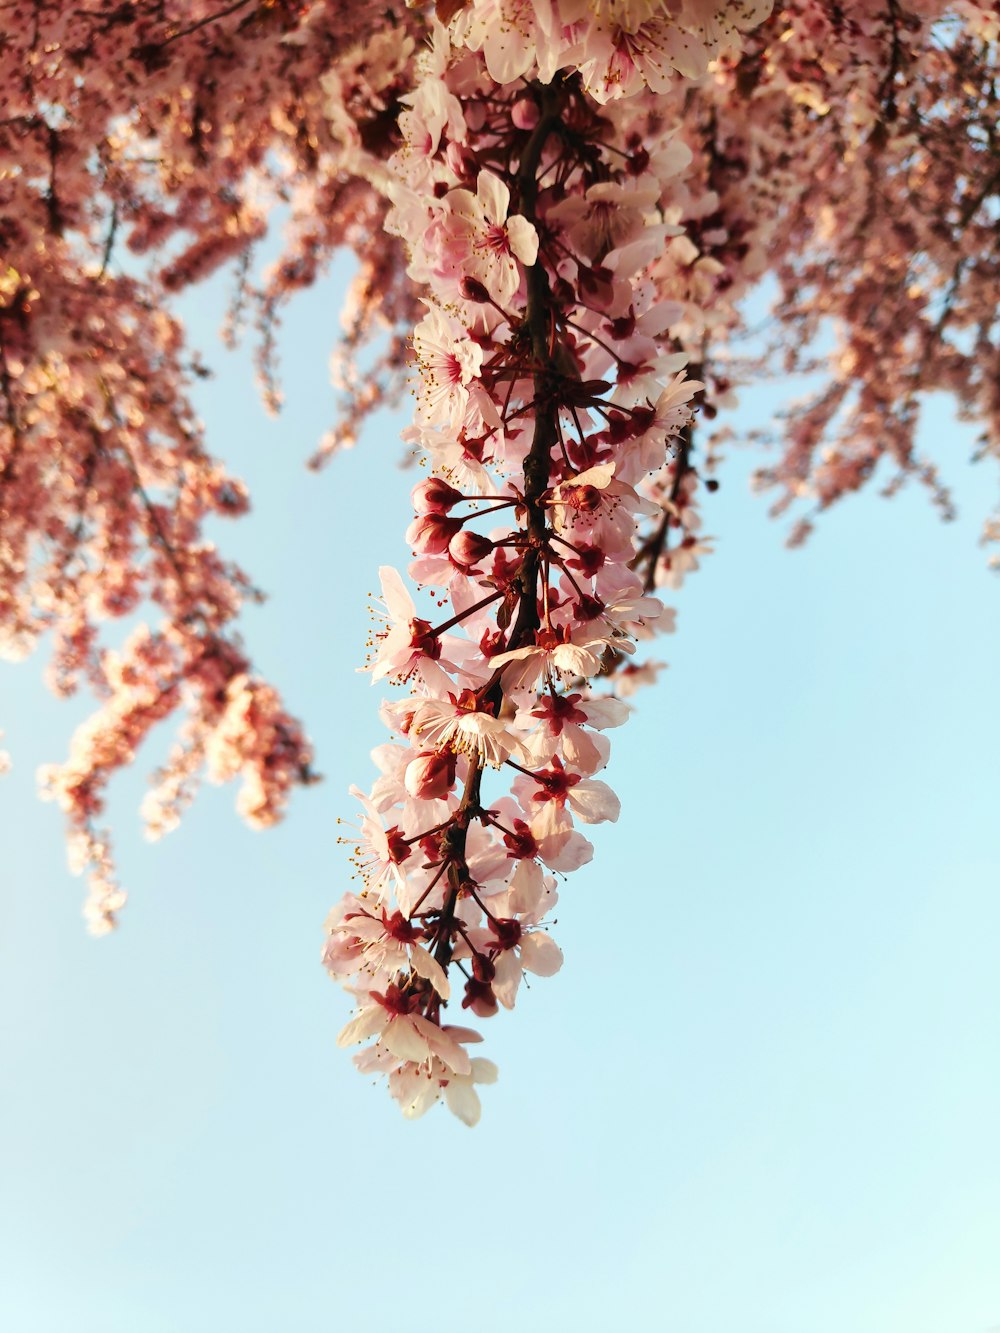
(549,391)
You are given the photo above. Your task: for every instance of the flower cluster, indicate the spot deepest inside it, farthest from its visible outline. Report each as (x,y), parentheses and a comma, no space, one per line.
(551,392)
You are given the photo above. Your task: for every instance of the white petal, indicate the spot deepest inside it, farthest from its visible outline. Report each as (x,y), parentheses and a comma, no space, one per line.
(465,205)
(604,713)
(461,1034)
(585,752)
(494,197)
(598,476)
(540,954)
(568,854)
(594,801)
(523,239)
(507,979)
(444,1046)
(426,966)
(403,1039)
(395,596)
(525,888)
(463,1101)
(363,1025)
(574,660)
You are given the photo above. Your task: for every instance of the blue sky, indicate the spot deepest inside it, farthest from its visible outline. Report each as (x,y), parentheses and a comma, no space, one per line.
(762,1095)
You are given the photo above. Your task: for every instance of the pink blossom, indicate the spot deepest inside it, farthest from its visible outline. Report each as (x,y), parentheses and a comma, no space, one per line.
(460,725)
(483,242)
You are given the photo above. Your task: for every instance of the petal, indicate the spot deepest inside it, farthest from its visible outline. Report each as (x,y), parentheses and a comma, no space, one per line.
(525,888)
(594,801)
(507,979)
(462,1034)
(394,594)
(426,966)
(540,954)
(523,239)
(570,854)
(494,197)
(598,476)
(463,1101)
(585,752)
(465,206)
(362,1025)
(574,660)
(442,1044)
(402,1038)
(606,712)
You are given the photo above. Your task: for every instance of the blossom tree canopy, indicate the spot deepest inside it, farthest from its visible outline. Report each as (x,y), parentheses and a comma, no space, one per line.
(557,208)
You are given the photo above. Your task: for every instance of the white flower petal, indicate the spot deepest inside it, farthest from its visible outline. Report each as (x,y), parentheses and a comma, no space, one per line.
(494,197)
(507,979)
(594,801)
(523,239)
(426,966)
(442,1044)
(403,1040)
(463,1101)
(540,954)
(525,888)
(362,1025)
(394,594)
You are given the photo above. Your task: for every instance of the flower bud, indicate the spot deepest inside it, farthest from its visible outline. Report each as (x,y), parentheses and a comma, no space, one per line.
(431,533)
(525,114)
(431,775)
(473,290)
(482,967)
(433,495)
(466,549)
(479,998)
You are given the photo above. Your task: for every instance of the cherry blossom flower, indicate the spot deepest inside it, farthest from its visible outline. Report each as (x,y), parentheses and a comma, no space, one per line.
(448,362)
(483,242)
(460,725)
(392,1018)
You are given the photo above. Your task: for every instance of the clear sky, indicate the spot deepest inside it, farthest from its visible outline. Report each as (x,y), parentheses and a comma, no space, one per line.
(761,1097)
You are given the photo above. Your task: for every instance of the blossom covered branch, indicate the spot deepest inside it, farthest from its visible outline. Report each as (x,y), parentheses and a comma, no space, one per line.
(550,389)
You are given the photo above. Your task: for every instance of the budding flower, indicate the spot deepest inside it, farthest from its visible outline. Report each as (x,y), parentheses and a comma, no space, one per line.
(473,290)
(479,997)
(431,533)
(431,775)
(433,495)
(525,113)
(467,549)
